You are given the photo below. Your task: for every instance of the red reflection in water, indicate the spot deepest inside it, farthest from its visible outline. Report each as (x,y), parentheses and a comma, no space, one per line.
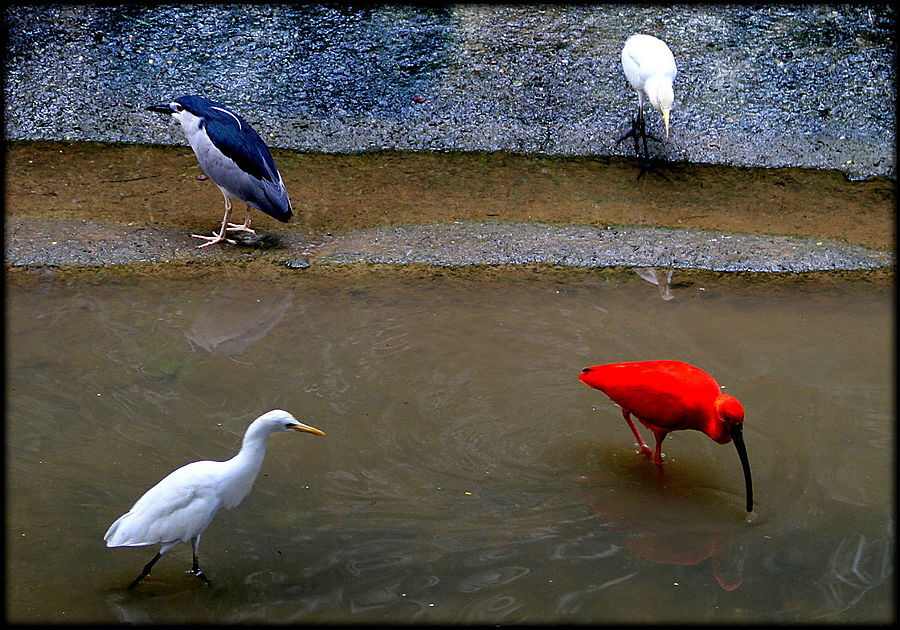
(654,535)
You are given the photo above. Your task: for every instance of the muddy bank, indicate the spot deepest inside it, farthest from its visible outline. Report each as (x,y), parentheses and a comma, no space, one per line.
(94,204)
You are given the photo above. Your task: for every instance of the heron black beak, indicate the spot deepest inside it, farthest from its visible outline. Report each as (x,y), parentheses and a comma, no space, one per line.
(737,436)
(162,109)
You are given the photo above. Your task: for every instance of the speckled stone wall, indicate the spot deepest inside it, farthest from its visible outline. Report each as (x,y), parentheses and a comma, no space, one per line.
(769,85)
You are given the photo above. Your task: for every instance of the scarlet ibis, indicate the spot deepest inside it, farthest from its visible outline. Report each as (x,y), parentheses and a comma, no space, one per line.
(670,396)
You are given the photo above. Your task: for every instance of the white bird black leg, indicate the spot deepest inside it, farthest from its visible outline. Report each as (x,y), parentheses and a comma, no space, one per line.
(145,572)
(195,568)
(643,131)
(215,238)
(645,135)
(242,227)
(638,131)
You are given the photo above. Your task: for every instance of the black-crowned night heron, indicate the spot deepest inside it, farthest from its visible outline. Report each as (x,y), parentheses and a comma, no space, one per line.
(233,155)
(649,66)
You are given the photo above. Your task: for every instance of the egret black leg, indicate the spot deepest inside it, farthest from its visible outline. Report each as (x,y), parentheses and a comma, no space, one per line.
(146,571)
(636,130)
(643,124)
(646,162)
(195,569)
(639,133)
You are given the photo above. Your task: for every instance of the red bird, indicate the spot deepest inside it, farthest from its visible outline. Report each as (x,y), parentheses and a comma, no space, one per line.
(670,396)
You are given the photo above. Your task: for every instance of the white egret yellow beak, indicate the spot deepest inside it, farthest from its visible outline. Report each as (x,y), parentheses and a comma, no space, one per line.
(305,428)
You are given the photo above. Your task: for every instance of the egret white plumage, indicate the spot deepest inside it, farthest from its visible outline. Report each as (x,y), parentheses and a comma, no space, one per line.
(181,506)
(233,155)
(649,66)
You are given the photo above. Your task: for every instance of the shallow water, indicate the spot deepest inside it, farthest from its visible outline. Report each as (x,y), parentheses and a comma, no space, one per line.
(466,475)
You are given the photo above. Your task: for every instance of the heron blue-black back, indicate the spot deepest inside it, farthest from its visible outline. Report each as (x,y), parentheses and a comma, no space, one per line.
(233,155)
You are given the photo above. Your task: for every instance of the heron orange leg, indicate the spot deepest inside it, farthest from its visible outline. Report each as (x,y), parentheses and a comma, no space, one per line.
(216,238)
(242,227)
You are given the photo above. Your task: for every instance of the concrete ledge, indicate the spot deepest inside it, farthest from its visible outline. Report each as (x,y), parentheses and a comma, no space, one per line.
(496,243)
(71,242)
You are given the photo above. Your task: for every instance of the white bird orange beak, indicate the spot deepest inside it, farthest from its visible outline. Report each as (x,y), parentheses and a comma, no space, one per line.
(305,428)
(666,120)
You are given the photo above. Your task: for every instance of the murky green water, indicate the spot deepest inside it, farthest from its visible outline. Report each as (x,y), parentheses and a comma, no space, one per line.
(467,475)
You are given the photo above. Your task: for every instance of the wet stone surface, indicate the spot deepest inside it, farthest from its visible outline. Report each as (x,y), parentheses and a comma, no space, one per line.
(584,246)
(83,243)
(32,242)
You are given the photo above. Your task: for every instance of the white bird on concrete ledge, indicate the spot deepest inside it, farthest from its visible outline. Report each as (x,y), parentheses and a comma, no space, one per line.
(649,66)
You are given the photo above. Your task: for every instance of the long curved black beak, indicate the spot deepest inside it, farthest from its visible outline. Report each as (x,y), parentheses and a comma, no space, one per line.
(737,436)
(162,109)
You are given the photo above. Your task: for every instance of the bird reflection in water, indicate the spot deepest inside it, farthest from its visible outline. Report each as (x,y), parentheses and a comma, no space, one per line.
(655,276)
(229,323)
(676,541)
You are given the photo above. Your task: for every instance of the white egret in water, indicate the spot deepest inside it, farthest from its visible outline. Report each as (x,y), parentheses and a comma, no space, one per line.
(180,507)
(649,66)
